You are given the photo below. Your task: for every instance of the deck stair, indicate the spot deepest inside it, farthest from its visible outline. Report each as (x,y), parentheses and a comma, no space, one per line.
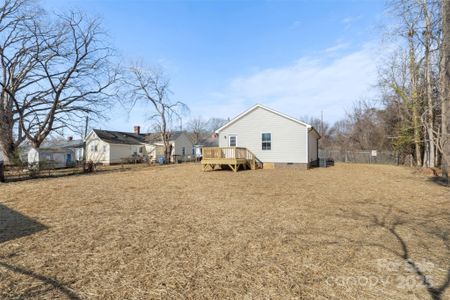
(234,157)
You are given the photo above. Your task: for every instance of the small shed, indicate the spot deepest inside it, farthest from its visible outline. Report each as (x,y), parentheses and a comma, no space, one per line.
(57,154)
(52,157)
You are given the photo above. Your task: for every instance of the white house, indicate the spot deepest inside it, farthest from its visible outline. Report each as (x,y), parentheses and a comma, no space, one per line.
(275,138)
(57,154)
(181,143)
(110,147)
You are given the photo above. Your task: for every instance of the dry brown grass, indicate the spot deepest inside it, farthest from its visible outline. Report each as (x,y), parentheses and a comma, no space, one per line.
(175,232)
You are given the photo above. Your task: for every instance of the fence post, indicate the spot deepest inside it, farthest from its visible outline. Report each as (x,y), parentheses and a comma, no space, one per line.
(2,172)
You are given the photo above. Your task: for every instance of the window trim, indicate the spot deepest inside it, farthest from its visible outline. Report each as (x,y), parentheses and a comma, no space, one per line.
(229,140)
(266,142)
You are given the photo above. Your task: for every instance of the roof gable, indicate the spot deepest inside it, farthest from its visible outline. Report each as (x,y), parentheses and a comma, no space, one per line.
(253,108)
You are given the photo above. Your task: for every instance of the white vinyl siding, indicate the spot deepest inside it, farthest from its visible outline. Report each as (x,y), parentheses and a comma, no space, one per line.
(288,138)
(97,150)
(181,142)
(101,152)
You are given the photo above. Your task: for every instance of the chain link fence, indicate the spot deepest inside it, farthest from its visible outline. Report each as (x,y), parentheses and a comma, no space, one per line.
(364,156)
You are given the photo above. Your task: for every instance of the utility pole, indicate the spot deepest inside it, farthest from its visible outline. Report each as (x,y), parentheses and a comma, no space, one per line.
(86,127)
(84,138)
(321,123)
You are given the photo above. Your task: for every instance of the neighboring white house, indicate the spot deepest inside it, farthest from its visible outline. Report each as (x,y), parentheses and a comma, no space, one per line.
(181,143)
(275,138)
(110,147)
(211,141)
(57,154)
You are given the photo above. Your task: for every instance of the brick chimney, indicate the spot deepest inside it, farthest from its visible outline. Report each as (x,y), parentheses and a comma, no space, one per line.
(137,129)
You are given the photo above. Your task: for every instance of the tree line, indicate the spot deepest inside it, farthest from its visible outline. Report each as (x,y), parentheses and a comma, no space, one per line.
(412,115)
(58,69)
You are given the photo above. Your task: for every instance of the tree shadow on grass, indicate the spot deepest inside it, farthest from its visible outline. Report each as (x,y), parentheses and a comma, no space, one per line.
(48,281)
(14,225)
(430,224)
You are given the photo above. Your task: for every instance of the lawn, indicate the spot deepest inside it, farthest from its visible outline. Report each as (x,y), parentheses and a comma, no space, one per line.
(345,232)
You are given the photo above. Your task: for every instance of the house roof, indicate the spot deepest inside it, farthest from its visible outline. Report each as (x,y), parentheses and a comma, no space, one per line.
(131,138)
(62,144)
(118,137)
(265,108)
(55,150)
(208,142)
(156,137)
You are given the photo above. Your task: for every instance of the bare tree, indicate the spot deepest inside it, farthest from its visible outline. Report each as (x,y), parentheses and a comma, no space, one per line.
(198,127)
(150,85)
(445,86)
(74,75)
(427,43)
(55,71)
(215,123)
(17,61)
(323,128)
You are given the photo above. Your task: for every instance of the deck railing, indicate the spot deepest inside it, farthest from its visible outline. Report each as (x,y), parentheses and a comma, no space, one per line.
(230,156)
(226,152)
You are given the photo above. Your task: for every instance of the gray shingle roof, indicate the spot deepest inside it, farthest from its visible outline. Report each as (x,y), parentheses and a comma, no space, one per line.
(209,142)
(62,144)
(118,137)
(156,137)
(131,138)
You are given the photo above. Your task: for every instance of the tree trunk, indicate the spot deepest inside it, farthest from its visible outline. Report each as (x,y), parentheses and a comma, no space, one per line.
(445,87)
(414,99)
(7,145)
(2,172)
(429,91)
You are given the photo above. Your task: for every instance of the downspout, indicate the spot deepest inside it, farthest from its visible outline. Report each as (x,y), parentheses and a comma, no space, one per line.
(307,146)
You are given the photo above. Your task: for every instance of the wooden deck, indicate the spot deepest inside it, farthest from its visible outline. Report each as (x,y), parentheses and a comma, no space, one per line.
(234,157)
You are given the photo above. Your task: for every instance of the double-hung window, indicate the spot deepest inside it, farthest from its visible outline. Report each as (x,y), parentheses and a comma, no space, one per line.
(233,141)
(266,139)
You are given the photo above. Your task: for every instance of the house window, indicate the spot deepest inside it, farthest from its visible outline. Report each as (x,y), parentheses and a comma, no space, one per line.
(183,151)
(104,148)
(93,148)
(141,150)
(266,141)
(232,141)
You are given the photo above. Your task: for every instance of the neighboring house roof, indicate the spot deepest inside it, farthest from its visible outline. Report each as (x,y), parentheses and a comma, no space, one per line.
(62,144)
(263,107)
(117,137)
(208,142)
(131,138)
(53,149)
(156,137)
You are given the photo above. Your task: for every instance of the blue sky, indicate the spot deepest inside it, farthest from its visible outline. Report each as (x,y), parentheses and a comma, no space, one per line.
(298,57)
